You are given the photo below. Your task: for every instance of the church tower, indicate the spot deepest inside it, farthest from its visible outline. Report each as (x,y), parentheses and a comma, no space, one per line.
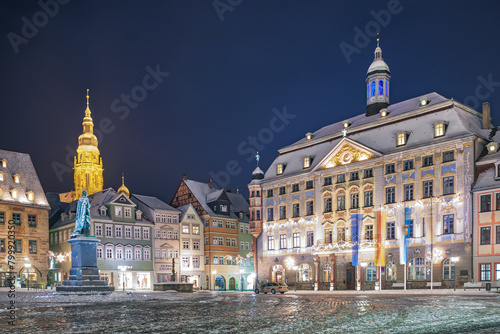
(377,84)
(88,163)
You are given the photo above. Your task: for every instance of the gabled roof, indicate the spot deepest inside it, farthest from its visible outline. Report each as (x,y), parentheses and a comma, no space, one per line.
(154,203)
(201,191)
(21,164)
(121,198)
(184,209)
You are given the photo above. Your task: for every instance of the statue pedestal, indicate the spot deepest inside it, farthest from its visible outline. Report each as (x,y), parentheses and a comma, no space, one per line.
(84,274)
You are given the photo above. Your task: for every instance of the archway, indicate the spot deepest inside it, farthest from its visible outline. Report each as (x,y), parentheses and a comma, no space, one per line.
(232,284)
(278,274)
(220,283)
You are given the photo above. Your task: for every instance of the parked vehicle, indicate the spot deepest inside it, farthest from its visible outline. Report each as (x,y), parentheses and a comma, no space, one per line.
(272,288)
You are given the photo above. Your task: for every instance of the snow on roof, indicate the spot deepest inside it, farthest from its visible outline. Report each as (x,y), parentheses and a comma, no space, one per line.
(21,164)
(486,180)
(379,133)
(154,203)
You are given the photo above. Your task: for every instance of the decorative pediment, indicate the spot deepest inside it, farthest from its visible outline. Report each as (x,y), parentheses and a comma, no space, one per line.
(345,152)
(122,199)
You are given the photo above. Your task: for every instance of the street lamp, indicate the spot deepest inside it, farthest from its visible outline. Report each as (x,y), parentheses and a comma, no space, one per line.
(213,273)
(241,272)
(454,260)
(28,265)
(296,268)
(363,265)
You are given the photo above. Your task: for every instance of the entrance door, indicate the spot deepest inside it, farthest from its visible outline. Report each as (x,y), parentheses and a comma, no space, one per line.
(220,283)
(232,284)
(350,278)
(278,277)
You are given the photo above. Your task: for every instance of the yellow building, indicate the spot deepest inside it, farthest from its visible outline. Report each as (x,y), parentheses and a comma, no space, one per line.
(88,163)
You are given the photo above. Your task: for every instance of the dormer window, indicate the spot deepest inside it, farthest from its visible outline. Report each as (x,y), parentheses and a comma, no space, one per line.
(14,193)
(17,178)
(384,112)
(138,214)
(307,162)
(2,177)
(440,129)
(4,163)
(280,168)
(402,138)
(309,136)
(424,101)
(30,196)
(223,208)
(347,124)
(118,211)
(102,211)
(498,171)
(492,147)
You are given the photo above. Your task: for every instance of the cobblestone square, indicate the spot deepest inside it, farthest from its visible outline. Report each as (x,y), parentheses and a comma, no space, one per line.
(223,312)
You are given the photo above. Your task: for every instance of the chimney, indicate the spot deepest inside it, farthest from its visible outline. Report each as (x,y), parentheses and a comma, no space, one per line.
(184,177)
(210,184)
(486,115)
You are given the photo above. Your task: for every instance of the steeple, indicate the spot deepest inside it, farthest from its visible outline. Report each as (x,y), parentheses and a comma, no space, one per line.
(377,83)
(88,163)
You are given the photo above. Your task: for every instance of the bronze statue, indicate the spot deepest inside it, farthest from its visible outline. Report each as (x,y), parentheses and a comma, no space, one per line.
(82,223)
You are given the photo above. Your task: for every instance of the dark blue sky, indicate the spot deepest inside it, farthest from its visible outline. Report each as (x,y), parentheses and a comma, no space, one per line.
(225,77)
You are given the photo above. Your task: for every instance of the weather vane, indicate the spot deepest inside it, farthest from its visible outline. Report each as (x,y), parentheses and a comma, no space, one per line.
(344,132)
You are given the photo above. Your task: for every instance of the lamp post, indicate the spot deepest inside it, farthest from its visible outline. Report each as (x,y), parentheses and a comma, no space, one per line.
(363,266)
(296,268)
(28,265)
(454,260)
(241,281)
(123,270)
(213,273)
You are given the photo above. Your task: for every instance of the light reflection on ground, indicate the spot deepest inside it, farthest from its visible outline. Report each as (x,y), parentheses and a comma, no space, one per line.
(215,312)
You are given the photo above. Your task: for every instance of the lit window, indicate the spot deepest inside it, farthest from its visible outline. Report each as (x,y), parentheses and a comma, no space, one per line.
(14,193)
(31,196)
(401,138)
(1,176)
(307,162)
(17,179)
(185,228)
(279,170)
(439,129)
(4,163)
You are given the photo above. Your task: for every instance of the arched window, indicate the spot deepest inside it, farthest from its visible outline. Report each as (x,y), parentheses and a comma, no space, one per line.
(381,87)
(367,91)
(17,178)
(340,234)
(372,90)
(304,272)
(418,269)
(448,269)
(371,273)
(390,272)
(387,88)
(1,176)
(326,273)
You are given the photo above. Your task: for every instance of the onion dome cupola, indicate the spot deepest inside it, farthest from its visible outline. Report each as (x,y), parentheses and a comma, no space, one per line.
(257,174)
(377,84)
(123,189)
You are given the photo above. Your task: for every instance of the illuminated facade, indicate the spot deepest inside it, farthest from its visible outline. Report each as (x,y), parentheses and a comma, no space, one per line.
(415,156)
(24,207)
(486,231)
(88,163)
(221,213)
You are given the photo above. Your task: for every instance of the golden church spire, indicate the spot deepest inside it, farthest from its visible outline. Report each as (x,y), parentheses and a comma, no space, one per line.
(88,163)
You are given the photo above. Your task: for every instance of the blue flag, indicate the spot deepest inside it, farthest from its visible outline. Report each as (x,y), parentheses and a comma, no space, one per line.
(355,222)
(406,236)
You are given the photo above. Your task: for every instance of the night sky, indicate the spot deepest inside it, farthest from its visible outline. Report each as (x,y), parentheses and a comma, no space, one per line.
(219,75)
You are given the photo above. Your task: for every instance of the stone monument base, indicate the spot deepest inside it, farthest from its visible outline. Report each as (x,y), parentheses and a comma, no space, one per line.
(84,275)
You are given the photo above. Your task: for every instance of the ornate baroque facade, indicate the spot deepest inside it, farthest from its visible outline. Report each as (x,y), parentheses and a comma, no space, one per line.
(416,156)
